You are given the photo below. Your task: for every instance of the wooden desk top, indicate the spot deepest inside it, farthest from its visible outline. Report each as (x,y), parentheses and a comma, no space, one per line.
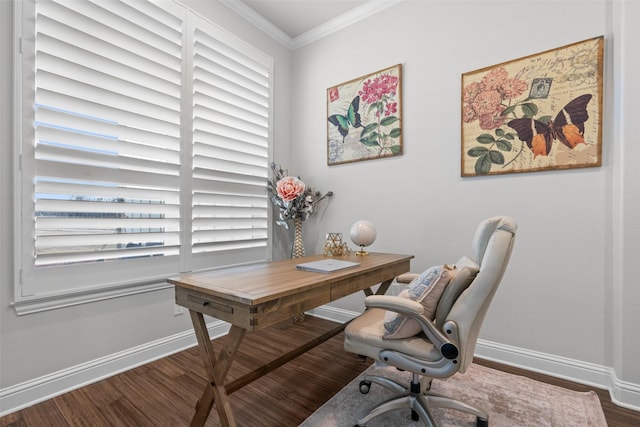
(258,295)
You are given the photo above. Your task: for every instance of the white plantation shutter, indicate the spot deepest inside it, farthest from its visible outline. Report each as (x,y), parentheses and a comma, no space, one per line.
(231,91)
(135,165)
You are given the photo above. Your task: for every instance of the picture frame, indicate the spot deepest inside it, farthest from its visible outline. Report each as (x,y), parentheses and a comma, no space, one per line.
(364,117)
(536,113)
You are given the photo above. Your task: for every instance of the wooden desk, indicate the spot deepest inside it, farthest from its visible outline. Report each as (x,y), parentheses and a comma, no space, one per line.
(256,296)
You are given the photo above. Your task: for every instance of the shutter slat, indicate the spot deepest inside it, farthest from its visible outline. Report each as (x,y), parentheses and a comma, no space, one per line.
(58,189)
(56,144)
(141,103)
(106,255)
(147,123)
(227,246)
(78,207)
(58,225)
(86,242)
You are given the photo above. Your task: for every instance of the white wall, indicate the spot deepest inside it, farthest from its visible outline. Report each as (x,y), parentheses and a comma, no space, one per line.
(35,346)
(566,291)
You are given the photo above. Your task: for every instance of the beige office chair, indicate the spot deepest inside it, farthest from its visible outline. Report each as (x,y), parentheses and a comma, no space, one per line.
(447,343)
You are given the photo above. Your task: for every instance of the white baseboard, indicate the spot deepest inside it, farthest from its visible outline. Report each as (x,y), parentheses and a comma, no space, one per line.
(46,387)
(22,395)
(622,393)
(560,367)
(332,313)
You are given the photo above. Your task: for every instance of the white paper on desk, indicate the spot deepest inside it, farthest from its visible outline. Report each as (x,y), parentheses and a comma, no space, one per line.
(326,265)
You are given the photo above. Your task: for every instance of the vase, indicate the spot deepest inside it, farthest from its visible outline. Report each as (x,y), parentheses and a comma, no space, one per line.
(297,250)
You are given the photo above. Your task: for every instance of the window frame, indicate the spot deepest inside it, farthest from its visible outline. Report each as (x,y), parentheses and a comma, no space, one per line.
(27,297)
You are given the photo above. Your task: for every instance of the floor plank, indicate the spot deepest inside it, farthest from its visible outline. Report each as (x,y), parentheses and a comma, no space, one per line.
(164,392)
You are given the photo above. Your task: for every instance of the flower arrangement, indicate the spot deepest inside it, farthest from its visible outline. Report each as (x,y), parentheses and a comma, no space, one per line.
(294,198)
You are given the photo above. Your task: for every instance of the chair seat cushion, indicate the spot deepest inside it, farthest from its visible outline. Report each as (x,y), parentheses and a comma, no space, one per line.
(365,335)
(425,289)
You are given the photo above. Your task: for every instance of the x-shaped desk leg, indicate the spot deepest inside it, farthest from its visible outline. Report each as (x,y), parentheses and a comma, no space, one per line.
(216,369)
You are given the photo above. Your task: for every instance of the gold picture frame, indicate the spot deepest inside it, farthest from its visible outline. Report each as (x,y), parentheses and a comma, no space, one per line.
(364,117)
(540,112)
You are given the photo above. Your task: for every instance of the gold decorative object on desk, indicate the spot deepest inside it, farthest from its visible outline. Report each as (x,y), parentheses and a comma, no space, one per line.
(334,246)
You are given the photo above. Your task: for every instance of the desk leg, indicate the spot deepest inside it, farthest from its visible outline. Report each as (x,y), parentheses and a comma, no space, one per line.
(384,286)
(382,289)
(217,369)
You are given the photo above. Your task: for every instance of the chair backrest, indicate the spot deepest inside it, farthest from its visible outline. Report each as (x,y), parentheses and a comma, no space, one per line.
(492,245)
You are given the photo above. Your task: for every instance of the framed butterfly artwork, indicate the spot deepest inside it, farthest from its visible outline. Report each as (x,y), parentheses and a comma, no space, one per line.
(540,112)
(364,117)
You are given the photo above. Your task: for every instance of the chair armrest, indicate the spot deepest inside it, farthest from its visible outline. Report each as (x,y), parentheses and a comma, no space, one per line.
(415,310)
(394,303)
(406,277)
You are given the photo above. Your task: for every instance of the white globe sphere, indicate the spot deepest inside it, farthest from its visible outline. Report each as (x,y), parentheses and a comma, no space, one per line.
(363,233)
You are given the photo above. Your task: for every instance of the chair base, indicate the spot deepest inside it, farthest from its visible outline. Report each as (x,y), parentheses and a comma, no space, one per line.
(420,402)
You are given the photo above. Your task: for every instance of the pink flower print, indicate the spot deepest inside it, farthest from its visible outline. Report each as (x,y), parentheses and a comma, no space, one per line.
(374,91)
(512,88)
(486,102)
(334,94)
(391,108)
(468,113)
(368,93)
(492,120)
(389,84)
(494,79)
(471,91)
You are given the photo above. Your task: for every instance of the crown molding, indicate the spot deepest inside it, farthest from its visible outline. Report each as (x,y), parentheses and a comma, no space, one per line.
(256,19)
(359,13)
(346,19)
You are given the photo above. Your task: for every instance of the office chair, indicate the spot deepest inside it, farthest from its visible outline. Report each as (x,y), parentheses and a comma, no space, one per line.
(445,340)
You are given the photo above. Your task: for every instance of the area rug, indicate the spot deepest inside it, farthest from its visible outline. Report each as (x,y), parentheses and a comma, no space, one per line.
(510,400)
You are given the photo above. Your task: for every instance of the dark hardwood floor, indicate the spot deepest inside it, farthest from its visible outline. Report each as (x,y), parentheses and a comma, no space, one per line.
(164,392)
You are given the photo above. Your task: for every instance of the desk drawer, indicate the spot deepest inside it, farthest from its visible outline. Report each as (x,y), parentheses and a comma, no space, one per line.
(253,317)
(228,311)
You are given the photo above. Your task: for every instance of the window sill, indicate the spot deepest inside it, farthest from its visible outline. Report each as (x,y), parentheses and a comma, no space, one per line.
(45,303)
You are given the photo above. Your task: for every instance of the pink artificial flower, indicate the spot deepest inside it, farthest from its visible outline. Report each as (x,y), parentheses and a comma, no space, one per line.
(289,188)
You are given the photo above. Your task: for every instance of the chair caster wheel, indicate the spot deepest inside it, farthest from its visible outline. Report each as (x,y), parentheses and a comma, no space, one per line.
(365,386)
(482,423)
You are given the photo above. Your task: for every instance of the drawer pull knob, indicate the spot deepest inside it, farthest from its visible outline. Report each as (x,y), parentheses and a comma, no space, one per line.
(205,303)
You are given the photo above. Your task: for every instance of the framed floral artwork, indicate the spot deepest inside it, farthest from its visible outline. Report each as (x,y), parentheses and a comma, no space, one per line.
(539,112)
(364,117)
